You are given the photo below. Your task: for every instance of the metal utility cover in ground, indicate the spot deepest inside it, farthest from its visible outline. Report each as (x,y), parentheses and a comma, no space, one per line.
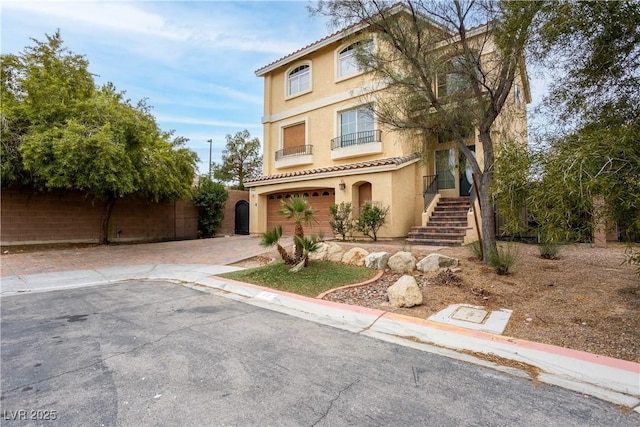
(470,314)
(473,317)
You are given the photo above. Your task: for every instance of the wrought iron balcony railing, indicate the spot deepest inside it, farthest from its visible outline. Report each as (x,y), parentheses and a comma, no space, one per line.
(357,138)
(299,150)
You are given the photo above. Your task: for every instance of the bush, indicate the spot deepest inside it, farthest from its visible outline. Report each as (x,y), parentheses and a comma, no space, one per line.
(476,249)
(633,257)
(209,197)
(341,222)
(504,257)
(549,250)
(372,217)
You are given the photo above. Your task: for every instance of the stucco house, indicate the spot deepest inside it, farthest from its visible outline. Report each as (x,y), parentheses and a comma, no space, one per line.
(322,141)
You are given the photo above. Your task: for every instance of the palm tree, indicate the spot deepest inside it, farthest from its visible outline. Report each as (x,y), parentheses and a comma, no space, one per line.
(299,211)
(272,238)
(308,245)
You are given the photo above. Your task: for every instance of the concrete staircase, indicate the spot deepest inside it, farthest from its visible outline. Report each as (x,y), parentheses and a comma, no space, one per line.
(446,226)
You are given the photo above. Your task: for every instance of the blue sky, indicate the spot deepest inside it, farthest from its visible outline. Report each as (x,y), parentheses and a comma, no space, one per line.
(193,60)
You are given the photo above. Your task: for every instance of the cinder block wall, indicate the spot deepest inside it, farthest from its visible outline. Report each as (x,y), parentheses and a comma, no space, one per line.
(57,217)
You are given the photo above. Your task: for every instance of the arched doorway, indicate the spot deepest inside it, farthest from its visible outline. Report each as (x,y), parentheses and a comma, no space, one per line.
(242,217)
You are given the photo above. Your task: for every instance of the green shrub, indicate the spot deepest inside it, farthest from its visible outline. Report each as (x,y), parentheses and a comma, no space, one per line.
(504,257)
(633,257)
(372,217)
(549,250)
(341,222)
(475,248)
(209,197)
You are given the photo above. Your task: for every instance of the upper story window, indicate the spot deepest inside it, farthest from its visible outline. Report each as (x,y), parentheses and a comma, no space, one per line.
(517,94)
(357,126)
(357,120)
(299,80)
(454,78)
(347,61)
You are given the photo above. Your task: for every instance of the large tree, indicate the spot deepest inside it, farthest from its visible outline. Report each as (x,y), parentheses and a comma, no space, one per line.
(60,131)
(593,151)
(475,47)
(241,160)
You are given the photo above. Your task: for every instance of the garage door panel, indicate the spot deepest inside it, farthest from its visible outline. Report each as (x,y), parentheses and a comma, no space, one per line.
(318,199)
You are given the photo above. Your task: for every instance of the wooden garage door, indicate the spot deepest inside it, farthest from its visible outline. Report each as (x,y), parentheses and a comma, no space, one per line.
(319,200)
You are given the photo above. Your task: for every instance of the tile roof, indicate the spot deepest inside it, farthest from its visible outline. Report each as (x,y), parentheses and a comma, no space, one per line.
(390,161)
(312,46)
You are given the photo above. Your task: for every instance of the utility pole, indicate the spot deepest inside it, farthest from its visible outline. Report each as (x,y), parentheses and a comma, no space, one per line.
(210,142)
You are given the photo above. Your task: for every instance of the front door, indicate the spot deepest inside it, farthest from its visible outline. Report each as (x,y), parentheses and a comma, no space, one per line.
(446,171)
(466,178)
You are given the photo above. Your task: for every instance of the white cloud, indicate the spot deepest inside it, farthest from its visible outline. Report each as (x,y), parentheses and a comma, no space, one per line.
(118,17)
(203,122)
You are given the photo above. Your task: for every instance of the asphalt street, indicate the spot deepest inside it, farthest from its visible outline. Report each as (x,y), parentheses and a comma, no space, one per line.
(158,353)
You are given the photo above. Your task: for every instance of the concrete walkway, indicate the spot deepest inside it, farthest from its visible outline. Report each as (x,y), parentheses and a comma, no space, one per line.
(195,263)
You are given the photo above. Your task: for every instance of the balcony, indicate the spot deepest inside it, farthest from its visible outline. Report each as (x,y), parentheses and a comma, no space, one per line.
(356,144)
(294,156)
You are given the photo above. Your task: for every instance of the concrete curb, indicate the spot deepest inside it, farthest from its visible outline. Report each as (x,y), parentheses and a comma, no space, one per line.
(609,379)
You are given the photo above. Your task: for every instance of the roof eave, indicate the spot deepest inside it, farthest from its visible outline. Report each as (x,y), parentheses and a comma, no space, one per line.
(310,49)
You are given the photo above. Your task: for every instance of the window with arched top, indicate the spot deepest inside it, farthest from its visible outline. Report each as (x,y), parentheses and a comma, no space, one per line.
(299,79)
(347,61)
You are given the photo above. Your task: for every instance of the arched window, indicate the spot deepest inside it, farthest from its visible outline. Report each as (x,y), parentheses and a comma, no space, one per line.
(347,62)
(299,79)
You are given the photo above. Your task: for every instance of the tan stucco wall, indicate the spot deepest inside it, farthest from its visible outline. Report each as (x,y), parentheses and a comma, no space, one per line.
(396,189)
(319,108)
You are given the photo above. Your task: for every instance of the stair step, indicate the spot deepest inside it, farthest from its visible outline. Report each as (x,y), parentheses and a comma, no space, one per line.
(447,225)
(435,242)
(448,217)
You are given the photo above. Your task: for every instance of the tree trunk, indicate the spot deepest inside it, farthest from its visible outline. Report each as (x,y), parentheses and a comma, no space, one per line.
(487,217)
(285,256)
(299,232)
(106,219)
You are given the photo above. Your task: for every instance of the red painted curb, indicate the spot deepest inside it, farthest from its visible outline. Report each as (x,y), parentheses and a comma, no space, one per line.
(532,345)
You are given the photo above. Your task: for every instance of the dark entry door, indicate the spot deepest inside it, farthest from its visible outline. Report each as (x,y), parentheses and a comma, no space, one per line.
(242,217)
(466,180)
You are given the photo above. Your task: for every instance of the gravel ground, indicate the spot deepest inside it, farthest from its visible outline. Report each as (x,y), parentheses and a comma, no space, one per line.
(586,300)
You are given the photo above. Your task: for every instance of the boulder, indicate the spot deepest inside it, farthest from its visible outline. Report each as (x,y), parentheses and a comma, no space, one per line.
(321,253)
(377,260)
(355,256)
(335,253)
(433,262)
(402,262)
(405,292)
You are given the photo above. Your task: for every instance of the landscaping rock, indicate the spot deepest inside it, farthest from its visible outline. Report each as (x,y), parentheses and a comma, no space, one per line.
(355,256)
(433,262)
(335,253)
(405,292)
(321,253)
(402,262)
(377,260)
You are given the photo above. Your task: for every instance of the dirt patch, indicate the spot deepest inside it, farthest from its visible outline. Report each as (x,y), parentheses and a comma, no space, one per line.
(587,299)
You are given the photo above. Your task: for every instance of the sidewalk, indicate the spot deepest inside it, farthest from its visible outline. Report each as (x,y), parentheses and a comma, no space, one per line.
(195,263)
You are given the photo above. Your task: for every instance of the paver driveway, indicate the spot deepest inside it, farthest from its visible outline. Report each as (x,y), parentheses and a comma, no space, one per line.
(217,251)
